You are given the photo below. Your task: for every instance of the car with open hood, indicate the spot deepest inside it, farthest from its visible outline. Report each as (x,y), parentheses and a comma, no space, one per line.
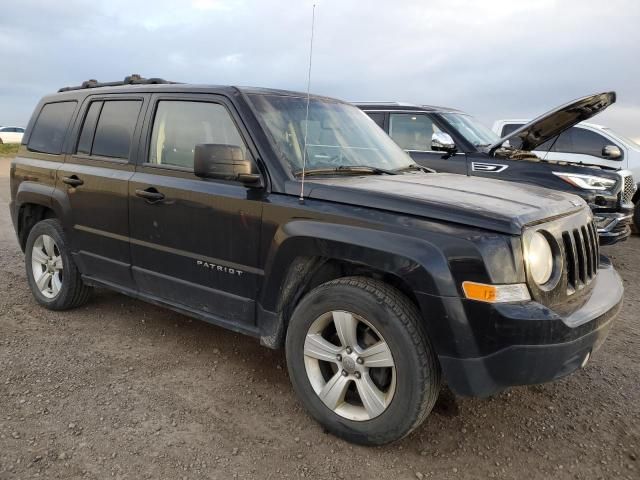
(294,219)
(449,140)
(591,144)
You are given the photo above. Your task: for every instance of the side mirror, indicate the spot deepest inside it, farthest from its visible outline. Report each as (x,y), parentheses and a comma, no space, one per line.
(224,162)
(611,151)
(442,142)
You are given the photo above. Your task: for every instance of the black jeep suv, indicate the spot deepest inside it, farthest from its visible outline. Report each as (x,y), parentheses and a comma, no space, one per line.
(377,277)
(448,140)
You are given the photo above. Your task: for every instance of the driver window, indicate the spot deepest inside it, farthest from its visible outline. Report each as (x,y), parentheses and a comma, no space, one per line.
(412,132)
(587,142)
(181,125)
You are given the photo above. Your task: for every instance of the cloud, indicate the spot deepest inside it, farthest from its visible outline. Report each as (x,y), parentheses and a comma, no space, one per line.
(495,59)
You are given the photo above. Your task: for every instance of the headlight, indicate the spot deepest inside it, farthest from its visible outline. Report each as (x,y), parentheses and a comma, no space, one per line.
(538,256)
(586,182)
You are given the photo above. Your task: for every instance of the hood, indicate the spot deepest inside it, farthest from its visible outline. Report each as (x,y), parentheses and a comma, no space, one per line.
(490,204)
(552,123)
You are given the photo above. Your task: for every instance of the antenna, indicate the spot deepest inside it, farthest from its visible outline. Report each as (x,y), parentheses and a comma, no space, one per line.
(306,120)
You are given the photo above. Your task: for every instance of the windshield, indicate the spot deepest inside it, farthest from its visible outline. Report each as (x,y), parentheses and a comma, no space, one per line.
(471,129)
(338,134)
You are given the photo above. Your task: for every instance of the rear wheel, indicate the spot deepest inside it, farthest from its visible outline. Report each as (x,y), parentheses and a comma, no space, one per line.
(52,274)
(360,360)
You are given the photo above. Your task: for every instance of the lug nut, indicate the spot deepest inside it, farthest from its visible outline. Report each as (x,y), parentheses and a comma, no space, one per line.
(344,373)
(339,357)
(359,361)
(357,375)
(349,350)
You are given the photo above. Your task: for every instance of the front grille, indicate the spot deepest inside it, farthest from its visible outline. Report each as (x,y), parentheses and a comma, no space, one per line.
(628,188)
(581,252)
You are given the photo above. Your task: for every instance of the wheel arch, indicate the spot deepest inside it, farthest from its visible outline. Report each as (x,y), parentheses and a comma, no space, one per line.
(35,202)
(305,254)
(636,196)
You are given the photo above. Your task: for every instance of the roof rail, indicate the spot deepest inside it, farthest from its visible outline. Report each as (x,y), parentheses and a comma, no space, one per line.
(133,79)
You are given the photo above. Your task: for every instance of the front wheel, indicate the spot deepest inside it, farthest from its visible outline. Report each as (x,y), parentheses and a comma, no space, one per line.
(636,216)
(361,362)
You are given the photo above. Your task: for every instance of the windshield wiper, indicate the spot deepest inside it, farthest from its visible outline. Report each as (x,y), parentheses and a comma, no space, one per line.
(415,167)
(348,169)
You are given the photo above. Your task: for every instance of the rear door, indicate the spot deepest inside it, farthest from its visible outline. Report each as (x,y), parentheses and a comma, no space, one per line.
(195,241)
(413,132)
(96,176)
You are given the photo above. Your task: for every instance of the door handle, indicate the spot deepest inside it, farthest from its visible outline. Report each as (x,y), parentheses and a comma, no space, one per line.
(150,194)
(73,181)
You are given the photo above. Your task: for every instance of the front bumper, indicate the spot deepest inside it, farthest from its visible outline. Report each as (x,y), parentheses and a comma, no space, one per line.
(613,227)
(531,344)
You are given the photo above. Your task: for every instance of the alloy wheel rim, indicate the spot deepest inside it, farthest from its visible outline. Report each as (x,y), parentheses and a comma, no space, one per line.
(349,365)
(46,265)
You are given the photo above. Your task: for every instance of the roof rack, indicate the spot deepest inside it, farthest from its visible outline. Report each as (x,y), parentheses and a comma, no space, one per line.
(133,79)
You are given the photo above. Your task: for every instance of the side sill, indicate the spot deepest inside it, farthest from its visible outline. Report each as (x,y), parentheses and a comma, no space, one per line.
(178,308)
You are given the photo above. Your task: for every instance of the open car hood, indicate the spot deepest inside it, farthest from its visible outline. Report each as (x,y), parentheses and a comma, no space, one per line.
(556,121)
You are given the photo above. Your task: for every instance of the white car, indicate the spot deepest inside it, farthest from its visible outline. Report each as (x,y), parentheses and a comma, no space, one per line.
(587,143)
(11,134)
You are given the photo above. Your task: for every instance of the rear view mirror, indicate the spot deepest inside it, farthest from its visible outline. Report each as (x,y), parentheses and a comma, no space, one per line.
(611,152)
(224,162)
(442,142)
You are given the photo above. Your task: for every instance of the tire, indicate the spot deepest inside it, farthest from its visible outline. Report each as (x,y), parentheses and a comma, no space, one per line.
(636,217)
(404,393)
(61,286)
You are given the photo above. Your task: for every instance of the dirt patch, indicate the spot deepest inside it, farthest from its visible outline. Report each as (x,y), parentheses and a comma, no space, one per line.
(123,389)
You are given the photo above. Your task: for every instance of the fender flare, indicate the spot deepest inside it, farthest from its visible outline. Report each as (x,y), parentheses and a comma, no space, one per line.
(46,196)
(417,262)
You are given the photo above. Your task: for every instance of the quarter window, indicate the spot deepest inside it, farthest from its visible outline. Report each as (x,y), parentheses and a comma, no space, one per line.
(50,128)
(181,125)
(115,128)
(412,132)
(88,128)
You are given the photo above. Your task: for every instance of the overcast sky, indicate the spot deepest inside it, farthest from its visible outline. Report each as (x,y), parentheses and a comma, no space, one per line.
(495,59)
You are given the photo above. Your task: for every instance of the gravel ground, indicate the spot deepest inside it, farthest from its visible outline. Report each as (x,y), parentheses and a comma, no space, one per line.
(123,389)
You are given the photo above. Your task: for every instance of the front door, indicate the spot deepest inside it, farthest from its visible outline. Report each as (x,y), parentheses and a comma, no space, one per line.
(194,241)
(413,132)
(95,177)
(581,145)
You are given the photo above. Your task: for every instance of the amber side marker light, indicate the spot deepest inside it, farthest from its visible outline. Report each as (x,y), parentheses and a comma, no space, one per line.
(484,292)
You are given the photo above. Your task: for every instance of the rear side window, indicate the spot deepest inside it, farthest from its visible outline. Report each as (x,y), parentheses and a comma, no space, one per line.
(509,128)
(50,128)
(115,128)
(377,117)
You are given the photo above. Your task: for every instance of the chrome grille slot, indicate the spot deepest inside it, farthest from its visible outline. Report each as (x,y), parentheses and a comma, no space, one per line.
(571,262)
(588,252)
(593,235)
(581,253)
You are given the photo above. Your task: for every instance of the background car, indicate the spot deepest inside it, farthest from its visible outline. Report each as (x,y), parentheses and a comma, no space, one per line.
(587,143)
(11,134)
(448,140)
